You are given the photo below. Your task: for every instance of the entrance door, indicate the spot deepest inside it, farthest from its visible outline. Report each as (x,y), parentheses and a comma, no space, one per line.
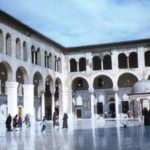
(78,113)
(112,110)
(99,108)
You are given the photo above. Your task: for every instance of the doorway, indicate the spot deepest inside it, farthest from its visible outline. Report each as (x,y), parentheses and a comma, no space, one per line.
(79,113)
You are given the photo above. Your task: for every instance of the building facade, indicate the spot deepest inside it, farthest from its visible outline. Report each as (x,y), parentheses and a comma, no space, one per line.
(39,76)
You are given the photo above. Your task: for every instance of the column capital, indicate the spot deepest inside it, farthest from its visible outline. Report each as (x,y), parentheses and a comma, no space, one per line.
(91,90)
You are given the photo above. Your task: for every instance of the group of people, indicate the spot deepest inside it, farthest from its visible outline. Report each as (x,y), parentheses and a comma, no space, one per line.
(55,121)
(146,115)
(16,122)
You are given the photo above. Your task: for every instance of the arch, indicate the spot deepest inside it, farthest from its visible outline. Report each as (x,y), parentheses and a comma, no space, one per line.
(38,57)
(82,64)
(1,41)
(59,64)
(37,81)
(21,75)
(18,48)
(33,54)
(107,63)
(48,97)
(133,61)
(122,61)
(55,63)
(8,44)
(5,75)
(73,65)
(25,53)
(102,82)
(96,63)
(8,69)
(79,83)
(147,57)
(127,80)
(50,61)
(45,58)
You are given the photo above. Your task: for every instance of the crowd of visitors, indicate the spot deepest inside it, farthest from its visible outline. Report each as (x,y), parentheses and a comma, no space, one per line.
(16,122)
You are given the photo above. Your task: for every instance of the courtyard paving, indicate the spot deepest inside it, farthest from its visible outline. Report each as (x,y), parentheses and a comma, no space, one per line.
(84,135)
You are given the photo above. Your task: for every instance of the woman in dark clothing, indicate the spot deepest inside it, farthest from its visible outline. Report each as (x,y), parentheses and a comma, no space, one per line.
(65,121)
(8,123)
(146,116)
(15,121)
(54,119)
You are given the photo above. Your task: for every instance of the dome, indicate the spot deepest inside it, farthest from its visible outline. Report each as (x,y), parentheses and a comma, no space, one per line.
(142,86)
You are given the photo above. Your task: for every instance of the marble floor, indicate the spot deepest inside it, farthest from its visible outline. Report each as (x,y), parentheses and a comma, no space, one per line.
(84,135)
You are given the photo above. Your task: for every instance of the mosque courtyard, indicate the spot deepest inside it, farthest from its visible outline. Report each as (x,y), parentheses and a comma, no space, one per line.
(83,135)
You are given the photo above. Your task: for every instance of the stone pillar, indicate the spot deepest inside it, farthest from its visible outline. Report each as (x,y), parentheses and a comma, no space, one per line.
(92,102)
(116,104)
(53,103)
(29,100)
(0,86)
(77,66)
(12,98)
(42,104)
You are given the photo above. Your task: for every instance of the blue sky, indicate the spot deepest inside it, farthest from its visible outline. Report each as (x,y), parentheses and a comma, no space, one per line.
(84,22)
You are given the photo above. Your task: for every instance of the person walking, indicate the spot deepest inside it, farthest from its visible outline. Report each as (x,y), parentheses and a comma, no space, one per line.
(15,122)
(27,120)
(65,121)
(44,123)
(8,123)
(20,122)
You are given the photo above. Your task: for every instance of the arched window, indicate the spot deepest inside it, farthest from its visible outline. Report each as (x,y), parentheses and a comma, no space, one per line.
(55,63)
(147,58)
(8,44)
(1,41)
(122,61)
(82,64)
(50,61)
(59,64)
(18,48)
(45,58)
(133,62)
(73,65)
(25,54)
(96,63)
(38,57)
(33,54)
(107,62)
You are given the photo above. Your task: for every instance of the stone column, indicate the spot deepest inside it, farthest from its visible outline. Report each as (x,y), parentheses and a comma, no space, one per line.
(53,104)
(29,100)
(42,104)
(92,102)
(12,98)
(116,104)
(0,86)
